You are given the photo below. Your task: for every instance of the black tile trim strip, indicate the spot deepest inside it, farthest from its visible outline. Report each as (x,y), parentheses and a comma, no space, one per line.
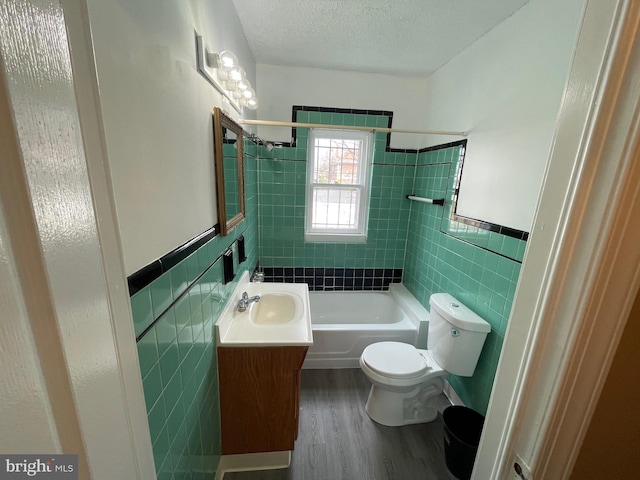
(483,248)
(352,111)
(147,274)
(428,149)
(492,227)
(335,279)
(401,150)
(432,164)
(444,145)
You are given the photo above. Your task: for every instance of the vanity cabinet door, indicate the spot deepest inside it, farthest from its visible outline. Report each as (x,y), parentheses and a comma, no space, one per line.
(259,398)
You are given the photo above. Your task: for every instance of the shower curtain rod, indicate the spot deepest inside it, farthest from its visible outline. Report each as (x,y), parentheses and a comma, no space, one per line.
(273,123)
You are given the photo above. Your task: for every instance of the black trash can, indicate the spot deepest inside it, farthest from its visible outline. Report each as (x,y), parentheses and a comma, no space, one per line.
(462,430)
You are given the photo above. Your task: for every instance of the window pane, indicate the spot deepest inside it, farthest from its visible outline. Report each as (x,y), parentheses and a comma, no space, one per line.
(337,161)
(335,208)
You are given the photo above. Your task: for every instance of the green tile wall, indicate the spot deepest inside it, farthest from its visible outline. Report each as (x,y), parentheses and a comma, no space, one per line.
(436,261)
(282,178)
(178,354)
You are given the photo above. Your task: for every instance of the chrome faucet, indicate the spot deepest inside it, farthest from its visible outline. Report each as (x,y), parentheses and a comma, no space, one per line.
(257,277)
(244,302)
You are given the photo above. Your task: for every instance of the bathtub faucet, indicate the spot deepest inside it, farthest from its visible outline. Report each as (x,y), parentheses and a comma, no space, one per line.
(244,302)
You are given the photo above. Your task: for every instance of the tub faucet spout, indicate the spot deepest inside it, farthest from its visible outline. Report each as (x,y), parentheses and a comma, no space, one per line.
(244,302)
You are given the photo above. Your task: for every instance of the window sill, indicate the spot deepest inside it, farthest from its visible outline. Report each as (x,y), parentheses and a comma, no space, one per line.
(334,238)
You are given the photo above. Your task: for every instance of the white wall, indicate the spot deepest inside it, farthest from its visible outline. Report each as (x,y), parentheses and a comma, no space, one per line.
(157,116)
(279,88)
(505,90)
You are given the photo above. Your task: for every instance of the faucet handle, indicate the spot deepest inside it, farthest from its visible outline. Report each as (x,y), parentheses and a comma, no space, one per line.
(245,296)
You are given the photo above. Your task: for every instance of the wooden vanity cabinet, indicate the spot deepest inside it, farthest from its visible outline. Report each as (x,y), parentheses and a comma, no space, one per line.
(259,397)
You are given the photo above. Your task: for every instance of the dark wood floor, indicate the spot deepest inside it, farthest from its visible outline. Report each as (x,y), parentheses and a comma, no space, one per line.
(338,441)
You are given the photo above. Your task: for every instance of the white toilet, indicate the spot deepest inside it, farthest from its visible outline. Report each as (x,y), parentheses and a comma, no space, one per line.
(406,380)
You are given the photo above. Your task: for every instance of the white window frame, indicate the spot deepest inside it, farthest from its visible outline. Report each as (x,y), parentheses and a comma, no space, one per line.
(358,234)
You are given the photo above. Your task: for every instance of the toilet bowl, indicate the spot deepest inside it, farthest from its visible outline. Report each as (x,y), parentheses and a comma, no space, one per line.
(406,381)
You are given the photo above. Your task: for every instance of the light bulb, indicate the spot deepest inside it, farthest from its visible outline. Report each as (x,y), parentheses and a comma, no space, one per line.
(244,84)
(252,103)
(237,74)
(227,60)
(249,93)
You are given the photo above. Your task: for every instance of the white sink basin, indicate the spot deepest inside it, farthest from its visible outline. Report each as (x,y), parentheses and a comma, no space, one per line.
(276,309)
(281,317)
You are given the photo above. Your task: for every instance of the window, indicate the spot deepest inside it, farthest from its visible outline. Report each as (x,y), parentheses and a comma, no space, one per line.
(337,185)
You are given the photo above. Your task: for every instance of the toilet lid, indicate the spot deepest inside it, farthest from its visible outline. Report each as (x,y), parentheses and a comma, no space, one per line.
(394,359)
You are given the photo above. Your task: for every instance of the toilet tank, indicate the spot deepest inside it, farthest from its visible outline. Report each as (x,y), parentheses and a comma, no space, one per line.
(456,335)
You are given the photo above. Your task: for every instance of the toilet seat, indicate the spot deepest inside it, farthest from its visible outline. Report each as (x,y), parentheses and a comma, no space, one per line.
(395,360)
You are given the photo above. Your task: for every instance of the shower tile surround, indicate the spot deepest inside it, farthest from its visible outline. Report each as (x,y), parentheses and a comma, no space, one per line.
(334,265)
(174,318)
(424,246)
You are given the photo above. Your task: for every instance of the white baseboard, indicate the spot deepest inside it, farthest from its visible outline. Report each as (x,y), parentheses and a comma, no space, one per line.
(252,461)
(451,394)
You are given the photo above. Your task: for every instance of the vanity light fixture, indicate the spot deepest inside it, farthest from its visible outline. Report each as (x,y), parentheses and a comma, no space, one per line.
(222,70)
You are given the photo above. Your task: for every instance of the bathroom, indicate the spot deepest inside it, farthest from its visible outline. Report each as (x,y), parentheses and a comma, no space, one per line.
(156,109)
(275,198)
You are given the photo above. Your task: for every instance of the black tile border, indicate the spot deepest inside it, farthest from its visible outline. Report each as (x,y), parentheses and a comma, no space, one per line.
(442,146)
(427,149)
(401,150)
(486,249)
(147,274)
(492,227)
(335,278)
(348,111)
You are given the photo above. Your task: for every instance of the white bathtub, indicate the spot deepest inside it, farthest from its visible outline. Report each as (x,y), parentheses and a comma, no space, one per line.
(344,323)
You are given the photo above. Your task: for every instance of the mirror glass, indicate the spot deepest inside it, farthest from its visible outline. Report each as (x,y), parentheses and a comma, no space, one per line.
(504,241)
(229,159)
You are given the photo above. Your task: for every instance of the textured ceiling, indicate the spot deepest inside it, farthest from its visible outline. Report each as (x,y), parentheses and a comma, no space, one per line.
(402,37)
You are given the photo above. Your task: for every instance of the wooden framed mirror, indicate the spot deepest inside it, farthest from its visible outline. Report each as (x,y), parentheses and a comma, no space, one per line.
(228,142)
